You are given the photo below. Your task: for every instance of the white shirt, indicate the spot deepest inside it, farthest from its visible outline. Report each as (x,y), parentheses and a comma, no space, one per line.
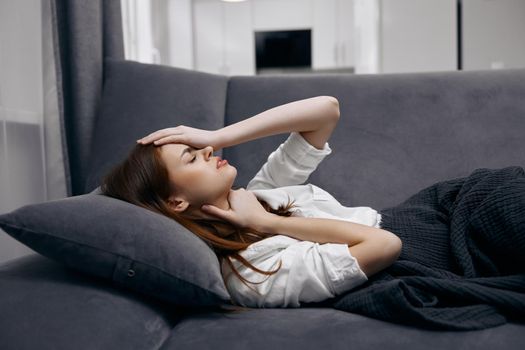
(310,272)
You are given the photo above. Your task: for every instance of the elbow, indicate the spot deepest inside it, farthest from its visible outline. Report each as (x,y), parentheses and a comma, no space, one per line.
(396,247)
(333,100)
(392,246)
(334,106)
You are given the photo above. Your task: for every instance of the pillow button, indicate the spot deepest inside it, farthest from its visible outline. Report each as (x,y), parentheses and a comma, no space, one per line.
(131,272)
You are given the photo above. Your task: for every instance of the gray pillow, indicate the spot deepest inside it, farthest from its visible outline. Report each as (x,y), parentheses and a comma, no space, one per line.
(124,243)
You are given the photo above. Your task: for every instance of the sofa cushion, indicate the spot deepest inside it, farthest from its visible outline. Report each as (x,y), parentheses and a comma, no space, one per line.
(46,305)
(123,243)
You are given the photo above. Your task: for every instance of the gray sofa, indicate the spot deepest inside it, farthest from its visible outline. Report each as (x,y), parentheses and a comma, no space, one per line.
(398,133)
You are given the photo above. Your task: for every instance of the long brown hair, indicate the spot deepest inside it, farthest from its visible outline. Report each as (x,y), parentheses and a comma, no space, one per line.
(142,179)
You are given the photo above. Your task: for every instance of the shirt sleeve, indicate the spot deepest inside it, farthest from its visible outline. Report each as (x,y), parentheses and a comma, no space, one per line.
(290,164)
(310,272)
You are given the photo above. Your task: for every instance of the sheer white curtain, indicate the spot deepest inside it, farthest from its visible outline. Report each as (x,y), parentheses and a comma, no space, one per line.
(31,153)
(158,31)
(137,29)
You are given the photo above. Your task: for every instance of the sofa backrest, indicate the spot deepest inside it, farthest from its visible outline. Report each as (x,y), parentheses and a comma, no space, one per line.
(140,98)
(398,133)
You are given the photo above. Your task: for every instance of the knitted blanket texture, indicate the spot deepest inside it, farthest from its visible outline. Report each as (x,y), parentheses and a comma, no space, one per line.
(462,265)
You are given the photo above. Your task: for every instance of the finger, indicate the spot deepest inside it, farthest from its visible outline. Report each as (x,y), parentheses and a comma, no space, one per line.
(211,209)
(156,135)
(151,137)
(167,139)
(147,139)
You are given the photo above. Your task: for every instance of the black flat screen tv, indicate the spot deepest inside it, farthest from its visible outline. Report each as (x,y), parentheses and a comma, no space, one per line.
(283,49)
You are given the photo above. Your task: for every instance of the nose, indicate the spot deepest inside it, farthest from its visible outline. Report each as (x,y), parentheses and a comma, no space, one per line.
(208,151)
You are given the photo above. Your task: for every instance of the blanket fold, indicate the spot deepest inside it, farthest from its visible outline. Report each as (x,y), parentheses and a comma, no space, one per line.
(462,265)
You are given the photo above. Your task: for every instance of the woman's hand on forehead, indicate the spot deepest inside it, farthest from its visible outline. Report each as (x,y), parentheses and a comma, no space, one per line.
(197,138)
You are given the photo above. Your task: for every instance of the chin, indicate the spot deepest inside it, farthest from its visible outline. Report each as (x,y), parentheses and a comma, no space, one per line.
(235,171)
(234,176)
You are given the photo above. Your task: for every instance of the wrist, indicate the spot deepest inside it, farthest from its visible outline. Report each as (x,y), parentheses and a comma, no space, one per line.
(222,140)
(269,223)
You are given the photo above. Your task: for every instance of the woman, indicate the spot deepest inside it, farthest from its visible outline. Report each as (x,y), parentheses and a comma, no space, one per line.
(312,246)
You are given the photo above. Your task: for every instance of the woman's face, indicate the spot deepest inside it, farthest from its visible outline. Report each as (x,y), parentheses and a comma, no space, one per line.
(195,178)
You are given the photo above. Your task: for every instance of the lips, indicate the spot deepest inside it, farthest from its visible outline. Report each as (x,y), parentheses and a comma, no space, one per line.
(221,162)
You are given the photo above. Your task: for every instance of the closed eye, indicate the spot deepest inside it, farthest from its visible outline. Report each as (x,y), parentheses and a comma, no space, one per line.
(193,159)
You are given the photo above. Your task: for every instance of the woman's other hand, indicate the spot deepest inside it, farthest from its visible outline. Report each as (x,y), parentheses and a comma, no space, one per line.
(197,138)
(245,210)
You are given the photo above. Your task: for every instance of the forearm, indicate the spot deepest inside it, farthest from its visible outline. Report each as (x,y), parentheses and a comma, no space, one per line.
(321,230)
(303,115)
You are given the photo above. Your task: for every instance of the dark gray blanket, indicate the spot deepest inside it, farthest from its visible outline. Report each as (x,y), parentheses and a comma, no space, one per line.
(462,266)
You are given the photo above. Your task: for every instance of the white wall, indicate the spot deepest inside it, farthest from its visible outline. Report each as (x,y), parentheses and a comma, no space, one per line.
(376,36)
(421,35)
(418,36)
(333,30)
(493,34)
(224,40)
(218,37)
(181,33)
(367,43)
(21,106)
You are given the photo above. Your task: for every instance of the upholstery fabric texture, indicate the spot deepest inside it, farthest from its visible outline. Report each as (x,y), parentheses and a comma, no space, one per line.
(398,133)
(462,265)
(123,243)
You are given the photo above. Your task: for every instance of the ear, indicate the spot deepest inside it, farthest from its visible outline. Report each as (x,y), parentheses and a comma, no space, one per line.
(178,204)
